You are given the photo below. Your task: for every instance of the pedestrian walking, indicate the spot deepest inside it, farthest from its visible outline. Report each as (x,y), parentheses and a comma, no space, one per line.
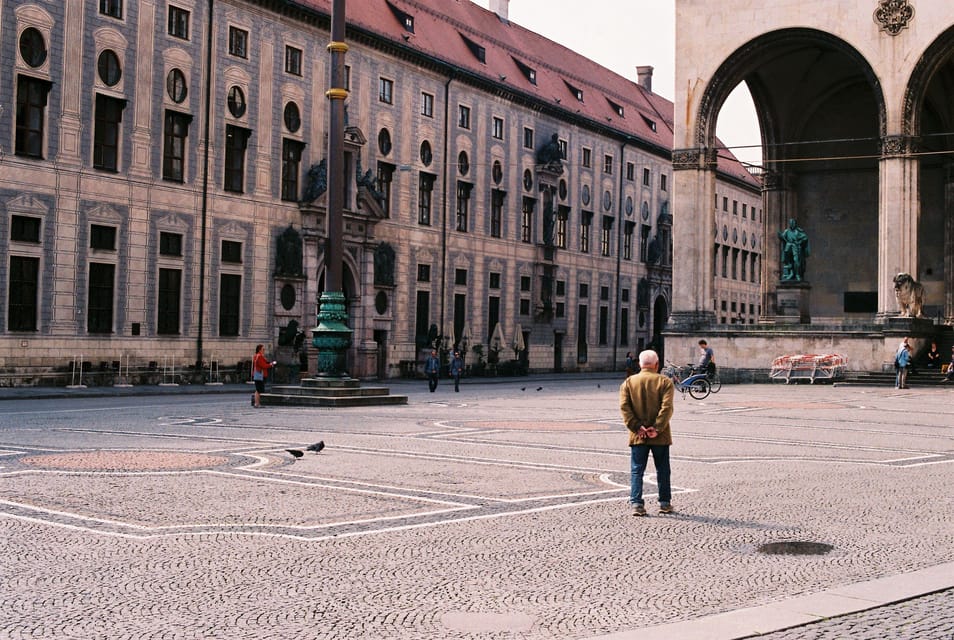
(645,402)
(432,369)
(456,369)
(260,368)
(630,364)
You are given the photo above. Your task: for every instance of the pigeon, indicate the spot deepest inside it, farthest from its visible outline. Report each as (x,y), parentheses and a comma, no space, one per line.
(295,452)
(598,386)
(539,388)
(318,446)
(523,388)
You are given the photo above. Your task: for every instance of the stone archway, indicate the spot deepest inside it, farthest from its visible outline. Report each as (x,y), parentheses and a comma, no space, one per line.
(823,117)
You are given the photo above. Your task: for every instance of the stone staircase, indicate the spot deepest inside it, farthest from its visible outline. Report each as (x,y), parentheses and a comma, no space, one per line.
(330,392)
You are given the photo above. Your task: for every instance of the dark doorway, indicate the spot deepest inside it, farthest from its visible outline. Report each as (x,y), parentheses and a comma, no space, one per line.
(557,352)
(381,338)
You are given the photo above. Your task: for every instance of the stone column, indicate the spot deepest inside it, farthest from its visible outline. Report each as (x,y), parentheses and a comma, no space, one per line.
(779,201)
(898,210)
(949,244)
(141,138)
(692,229)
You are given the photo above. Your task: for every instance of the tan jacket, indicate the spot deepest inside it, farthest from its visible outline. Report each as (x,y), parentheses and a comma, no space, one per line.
(645,400)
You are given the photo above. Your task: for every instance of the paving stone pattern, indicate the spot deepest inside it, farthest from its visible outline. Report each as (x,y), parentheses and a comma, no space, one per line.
(493,513)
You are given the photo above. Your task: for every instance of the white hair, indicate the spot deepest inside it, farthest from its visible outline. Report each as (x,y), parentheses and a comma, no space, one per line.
(648,358)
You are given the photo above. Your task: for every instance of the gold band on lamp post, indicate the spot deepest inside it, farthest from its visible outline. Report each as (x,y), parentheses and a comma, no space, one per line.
(336,94)
(337,47)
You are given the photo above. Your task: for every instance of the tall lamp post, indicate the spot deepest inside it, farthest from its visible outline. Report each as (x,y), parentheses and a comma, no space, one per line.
(332,337)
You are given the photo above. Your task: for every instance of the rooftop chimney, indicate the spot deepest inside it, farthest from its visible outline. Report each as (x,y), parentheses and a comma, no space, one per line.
(644,76)
(501,8)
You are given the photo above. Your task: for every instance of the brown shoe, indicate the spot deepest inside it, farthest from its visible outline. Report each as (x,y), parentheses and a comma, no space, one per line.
(666,509)
(639,510)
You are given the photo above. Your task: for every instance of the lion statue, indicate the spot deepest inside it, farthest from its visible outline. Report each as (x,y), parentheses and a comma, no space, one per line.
(910,295)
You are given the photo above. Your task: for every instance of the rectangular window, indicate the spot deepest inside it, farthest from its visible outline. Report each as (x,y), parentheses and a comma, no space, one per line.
(744,210)
(496,212)
(525,283)
(170,244)
(527,138)
(460,277)
(752,268)
(587,158)
(744,270)
(31,116)
(424,193)
(524,307)
(585,221)
(178,22)
(725,262)
(24,229)
(735,264)
(236,141)
(292,60)
(526,221)
(630,171)
(109,115)
(385,178)
(662,182)
(494,280)
(174,146)
(291,164)
(170,293)
(230,297)
(628,240)
(725,203)
(560,309)
(644,232)
(99,312)
(111,8)
(102,237)
(463,117)
(563,215)
(498,128)
(563,148)
(624,326)
(422,316)
(238,43)
(423,273)
(493,315)
(604,325)
(735,207)
(23,293)
(427,105)
(463,205)
(605,235)
(646,177)
(385,91)
(561,287)
(232,251)
(608,164)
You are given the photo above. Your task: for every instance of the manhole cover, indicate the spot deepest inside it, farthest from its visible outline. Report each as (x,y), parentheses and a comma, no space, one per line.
(795,548)
(124,461)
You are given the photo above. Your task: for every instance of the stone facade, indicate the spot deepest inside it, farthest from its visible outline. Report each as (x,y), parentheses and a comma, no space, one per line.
(143,204)
(856,132)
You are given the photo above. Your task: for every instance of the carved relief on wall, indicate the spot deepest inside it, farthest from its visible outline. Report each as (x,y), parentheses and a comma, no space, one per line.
(893,15)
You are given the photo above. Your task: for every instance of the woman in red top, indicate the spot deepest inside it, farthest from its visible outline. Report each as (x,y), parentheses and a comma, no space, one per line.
(260,367)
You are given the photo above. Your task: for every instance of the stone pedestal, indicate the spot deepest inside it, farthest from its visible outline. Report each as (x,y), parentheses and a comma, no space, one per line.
(793,303)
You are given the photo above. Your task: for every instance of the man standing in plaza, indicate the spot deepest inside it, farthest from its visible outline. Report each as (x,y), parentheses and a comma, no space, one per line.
(706,359)
(645,401)
(432,369)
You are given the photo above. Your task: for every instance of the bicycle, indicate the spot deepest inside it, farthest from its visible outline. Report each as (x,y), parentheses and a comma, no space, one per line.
(696,384)
(715,382)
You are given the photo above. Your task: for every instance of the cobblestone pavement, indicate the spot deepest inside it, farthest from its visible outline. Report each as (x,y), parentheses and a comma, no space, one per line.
(495,513)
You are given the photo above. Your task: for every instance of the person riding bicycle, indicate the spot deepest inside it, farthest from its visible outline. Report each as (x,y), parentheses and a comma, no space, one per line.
(706,363)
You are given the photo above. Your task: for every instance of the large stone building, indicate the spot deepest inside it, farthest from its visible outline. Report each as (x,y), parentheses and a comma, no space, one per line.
(857,128)
(163,197)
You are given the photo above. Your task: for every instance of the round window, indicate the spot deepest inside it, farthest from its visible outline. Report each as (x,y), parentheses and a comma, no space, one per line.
(426,154)
(108,66)
(236,102)
(288,297)
(384,142)
(629,205)
(585,194)
(176,86)
(32,47)
(497,172)
(292,117)
(527,180)
(607,200)
(463,164)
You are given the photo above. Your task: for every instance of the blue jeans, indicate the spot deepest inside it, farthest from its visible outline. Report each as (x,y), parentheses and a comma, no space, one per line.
(638,459)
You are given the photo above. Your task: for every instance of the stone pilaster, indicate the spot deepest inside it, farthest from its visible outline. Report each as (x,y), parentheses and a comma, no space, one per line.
(142,115)
(898,211)
(71,127)
(692,229)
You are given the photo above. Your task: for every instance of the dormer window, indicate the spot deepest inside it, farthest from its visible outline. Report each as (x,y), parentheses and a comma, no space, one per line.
(528,73)
(405,18)
(618,108)
(649,123)
(577,93)
(479,52)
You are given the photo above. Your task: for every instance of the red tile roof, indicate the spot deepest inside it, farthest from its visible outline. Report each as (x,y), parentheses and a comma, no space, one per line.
(439,25)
